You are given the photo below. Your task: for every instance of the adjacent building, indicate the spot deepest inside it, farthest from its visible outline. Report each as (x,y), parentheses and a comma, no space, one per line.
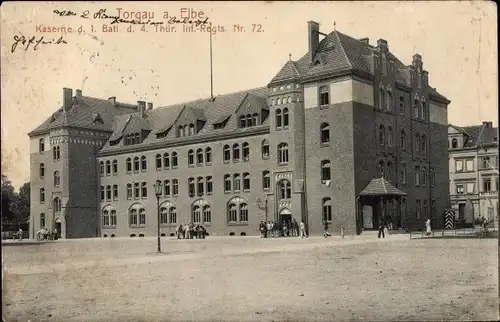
(473,152)
(344,134)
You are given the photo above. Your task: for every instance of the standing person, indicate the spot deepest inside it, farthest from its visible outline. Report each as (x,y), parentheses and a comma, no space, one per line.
(262,229)
(302,228)
(55,234)
(381,227)
(428,227)
(325,226)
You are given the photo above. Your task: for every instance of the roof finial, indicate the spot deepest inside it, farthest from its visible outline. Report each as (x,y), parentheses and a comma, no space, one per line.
(334,25)
(289,56)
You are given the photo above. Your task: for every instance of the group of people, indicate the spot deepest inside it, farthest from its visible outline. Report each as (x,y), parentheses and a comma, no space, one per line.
(45,234)
(190,231)
(291,228)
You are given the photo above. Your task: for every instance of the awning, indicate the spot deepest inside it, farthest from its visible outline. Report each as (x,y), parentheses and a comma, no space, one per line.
(381,187)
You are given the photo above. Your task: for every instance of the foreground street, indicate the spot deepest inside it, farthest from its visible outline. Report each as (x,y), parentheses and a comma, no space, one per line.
(252,279)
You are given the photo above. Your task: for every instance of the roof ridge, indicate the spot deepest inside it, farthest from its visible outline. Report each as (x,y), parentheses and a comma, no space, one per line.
(336,33)
(295,68)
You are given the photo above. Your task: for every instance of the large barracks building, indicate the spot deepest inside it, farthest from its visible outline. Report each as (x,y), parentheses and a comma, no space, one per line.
(347,133)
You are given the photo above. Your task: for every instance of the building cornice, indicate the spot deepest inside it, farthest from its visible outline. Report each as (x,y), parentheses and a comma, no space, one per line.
(63,127)
(211,137)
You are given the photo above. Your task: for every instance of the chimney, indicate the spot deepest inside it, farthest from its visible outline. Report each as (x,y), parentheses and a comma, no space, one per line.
(488,125)
(112,100)
(365,41)
(78,95)
(141,105)
(313,37)
(67,98)
(150,106)
(382,44)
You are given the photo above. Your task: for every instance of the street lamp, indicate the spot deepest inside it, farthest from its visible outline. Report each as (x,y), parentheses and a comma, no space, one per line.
(262,205)
(158,191)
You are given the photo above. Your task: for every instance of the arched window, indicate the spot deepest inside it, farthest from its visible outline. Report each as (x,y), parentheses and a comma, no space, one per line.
(246,181)
(175,187)
(133,220)
(41,145)
(137,190)
(327,209)
(324,95)
(389,136)
(401,105)
(389,171)
(210,186)
(423,180)
(142,216)
(136,164)
(42,170)
(207,214)
(191,129)
(286,118)
(402,142)
(180,131)
(417,175)
(279,120)
(237,210)
(415,108)
(144,190)
(57,179)
(191,187)
(103,193)
(108,216)
(236,152)
(265,149)
(166,161)
(129,191)
(196,215)
(115,192)
(403,173)
(166,187)
(108,168)
(285,189)
(42,195)
(144,164)
(190,158)
(417,142)
(423,143)
(283,153)
(42,220)
(454,143)
(242,121)
(246,151)
(424,111)
(115,166)
(200,186)
(266,180)
(172,215)
(158,161)
(381,98)
(227,183)
(57,205)
(325,133)
(163,216)
(208,156)
(199,157)
(54,153)
(127,140)
(129,164)
(174,160)
(236,182)
(226,153)
(108,192)
(389,101)
(381,135)
(101,168)
(325,171)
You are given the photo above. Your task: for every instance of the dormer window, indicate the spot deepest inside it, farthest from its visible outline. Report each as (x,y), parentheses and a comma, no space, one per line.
(180,132)
(191,129)
(249,120)
(324,95)
(454,143)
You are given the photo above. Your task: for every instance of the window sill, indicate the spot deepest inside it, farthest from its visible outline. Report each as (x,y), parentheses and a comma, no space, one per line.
(236,161)
(158,169)
(209,193)
(325,106)
(246,190)
(174,167)
(190,165)
(227,192)
(137,226)
(237,223)
(265,157)
(324,144)
(167,225)
(282,164)
(208,163)
(166,168)
(109,227)
(175,196)
(199,164)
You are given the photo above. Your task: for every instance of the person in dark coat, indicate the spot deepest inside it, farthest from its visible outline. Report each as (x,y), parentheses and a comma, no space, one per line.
(325,226)
(381,227)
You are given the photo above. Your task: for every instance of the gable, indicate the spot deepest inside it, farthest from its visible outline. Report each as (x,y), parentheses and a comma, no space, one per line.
(452,130)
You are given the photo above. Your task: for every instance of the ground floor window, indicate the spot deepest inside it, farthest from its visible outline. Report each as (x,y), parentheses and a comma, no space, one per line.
(237,210)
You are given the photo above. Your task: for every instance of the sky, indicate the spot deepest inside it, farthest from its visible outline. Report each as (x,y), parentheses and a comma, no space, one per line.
(457,41)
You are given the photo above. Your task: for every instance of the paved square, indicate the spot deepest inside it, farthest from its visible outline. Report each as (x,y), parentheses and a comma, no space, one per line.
(251,279)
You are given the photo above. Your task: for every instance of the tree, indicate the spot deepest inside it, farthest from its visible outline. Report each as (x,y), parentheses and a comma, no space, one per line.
(15,206)
(8,195)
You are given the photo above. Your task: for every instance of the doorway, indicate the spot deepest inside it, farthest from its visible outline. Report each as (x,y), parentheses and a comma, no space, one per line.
(285,215)
(461,211)
(58,227)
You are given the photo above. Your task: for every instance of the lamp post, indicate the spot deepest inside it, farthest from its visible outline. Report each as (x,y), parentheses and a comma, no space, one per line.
(158,191)
(263,205)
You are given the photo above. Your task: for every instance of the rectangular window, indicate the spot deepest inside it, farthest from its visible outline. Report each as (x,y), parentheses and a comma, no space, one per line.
(103,196)
(175,187)
(167,187)
(469,165)
(136,190)
(459,166)
(460,189)
(129,191)
(470,187)
(486,184)
(209,185)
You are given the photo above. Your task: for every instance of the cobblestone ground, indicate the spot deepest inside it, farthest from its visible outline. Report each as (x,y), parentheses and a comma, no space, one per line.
(252,279)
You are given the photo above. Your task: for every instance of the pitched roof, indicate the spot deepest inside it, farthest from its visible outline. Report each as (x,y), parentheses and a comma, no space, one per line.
(82,115)
(479,134)
(381,187)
